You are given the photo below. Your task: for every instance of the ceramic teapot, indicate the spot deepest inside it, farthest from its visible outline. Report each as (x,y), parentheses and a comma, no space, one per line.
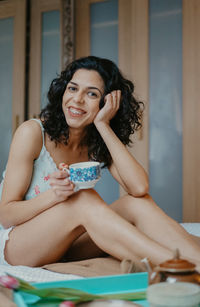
(173,270)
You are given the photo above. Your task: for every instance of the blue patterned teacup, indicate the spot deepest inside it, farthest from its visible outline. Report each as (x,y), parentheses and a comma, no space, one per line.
(85,174)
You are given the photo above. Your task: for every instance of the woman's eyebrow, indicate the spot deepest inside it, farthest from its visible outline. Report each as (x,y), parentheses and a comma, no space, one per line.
(95,88)
(73,83)
(89,87)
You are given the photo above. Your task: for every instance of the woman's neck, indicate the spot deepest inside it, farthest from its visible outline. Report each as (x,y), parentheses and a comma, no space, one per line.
(75,139)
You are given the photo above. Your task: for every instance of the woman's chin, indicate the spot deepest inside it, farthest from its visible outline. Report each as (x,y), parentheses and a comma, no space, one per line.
(77,124)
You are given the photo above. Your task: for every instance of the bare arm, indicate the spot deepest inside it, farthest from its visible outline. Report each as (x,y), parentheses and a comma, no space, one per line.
(25,148)
(125,168)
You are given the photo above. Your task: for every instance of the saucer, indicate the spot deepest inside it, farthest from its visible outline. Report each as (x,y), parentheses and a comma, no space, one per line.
(85,185)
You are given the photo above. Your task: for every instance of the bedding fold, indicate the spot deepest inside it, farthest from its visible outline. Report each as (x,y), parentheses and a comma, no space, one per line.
(87,268)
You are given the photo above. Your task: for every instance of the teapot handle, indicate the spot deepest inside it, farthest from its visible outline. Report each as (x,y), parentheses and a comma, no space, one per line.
(154,274)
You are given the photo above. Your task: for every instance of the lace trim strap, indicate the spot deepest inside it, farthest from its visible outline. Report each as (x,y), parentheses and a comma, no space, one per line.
(42,128)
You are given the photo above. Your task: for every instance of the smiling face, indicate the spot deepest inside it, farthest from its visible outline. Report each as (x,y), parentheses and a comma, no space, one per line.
(81,98)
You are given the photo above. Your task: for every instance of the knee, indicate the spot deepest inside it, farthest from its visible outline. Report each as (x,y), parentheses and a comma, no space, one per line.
(87,204)
(84,199)
(140,205)
(86,195)
(146,199)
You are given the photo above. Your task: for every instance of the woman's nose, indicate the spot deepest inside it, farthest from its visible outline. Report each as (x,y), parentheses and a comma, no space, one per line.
(79,97)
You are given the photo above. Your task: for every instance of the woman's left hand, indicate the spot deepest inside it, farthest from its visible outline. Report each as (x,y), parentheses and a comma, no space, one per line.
(112,103)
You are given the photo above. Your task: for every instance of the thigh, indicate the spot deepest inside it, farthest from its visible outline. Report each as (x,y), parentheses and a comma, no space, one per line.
(196,238)
(132,208)
(46,237)
(43,239)
(140,211)
(152,221)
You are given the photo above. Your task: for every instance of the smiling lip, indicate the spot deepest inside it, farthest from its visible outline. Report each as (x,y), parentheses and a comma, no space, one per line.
(75,112)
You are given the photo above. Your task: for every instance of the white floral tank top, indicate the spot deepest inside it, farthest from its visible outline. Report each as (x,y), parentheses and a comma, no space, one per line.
(42,168)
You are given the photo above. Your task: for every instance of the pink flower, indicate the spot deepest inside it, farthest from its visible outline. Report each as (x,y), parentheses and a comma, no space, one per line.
(9,282)
(46,178)
(37,190)
(67,304)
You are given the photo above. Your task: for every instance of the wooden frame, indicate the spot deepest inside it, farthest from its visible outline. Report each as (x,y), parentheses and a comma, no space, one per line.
(67,32)
(37,8)
(17,9)
(191,111)
(134,62)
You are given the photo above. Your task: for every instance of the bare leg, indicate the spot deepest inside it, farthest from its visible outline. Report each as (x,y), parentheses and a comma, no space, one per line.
(51,233)
(152,221)
(148,218)
(196,238)
(46,237)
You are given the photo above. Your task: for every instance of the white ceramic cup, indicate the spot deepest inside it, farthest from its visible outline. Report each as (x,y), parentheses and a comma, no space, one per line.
(177,294)
(84,174)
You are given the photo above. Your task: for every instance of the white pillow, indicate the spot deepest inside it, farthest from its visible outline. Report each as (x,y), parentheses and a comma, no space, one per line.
(193,228)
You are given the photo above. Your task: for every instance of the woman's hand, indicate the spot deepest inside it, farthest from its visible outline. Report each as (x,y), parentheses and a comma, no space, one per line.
(60,183)
(112,103)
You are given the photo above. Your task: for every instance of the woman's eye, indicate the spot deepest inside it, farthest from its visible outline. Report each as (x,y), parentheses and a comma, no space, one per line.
(71,88)
(92,94)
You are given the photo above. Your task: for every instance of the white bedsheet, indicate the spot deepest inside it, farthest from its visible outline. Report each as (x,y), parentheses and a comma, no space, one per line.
(35,274)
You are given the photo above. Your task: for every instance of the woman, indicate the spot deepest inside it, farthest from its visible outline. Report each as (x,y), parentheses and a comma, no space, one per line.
(90,116)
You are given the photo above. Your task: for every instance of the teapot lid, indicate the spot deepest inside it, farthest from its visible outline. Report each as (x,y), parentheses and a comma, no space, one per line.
(176,264)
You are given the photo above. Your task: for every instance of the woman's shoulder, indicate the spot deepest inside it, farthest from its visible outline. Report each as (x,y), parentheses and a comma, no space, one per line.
(29,128)
(29,133)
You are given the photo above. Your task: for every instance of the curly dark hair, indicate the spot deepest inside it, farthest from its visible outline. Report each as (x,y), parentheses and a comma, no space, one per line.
(126,121)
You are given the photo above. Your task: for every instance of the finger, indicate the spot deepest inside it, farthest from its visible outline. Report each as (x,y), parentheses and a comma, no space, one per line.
(59,175)
(62,165)
(115,100)
(63,188)
(106,98)
(111,104)
(118,97)
(65,194)
(109,101)
(63,181)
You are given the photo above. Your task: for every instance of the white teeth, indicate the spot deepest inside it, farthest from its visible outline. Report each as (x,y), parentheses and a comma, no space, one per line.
(74,111)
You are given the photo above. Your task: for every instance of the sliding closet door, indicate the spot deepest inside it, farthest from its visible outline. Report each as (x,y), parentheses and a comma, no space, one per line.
(191,111)
(45,51)
(12,72)
(134,63)
(152,59)
(165,103)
